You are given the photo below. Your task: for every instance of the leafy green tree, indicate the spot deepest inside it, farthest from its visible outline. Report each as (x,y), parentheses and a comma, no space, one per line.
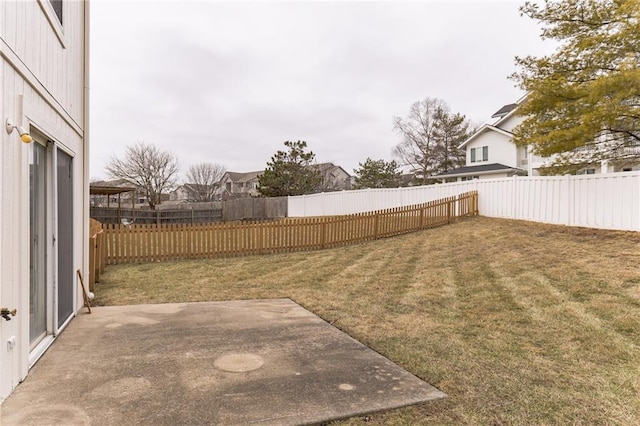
(288,172)
(377,174)
(431,134)
(583,101)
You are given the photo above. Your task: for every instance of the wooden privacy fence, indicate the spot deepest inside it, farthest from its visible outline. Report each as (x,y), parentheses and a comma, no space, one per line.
(159,216)
(154,243)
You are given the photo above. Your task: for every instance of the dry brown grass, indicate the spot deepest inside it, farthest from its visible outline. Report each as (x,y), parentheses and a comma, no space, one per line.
(519,323)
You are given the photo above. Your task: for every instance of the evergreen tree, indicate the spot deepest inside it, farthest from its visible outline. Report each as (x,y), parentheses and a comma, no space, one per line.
(288,172)
(377,174)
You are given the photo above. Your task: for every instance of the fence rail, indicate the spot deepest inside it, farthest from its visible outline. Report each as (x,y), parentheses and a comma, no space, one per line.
(152,243)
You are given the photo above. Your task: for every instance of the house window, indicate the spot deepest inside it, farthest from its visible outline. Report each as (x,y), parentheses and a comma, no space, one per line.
(586,172)
(475,154)
(57,8)
(228,186)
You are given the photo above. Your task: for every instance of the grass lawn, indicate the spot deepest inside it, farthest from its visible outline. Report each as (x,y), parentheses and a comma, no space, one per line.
(518,322)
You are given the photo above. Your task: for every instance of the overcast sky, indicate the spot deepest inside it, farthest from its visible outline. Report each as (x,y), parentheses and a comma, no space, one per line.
(229,82)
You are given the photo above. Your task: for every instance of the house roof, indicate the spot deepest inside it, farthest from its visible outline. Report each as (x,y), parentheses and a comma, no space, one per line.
(479,170)
(504,111)
(112,183)
(510,113)
(109,190)
(248,176)
(198,187)
(482,130)
(503,114)
(110,187)
(323,167)
(244,177)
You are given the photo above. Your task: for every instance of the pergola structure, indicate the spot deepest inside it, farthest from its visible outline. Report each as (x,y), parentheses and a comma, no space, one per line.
(113,190)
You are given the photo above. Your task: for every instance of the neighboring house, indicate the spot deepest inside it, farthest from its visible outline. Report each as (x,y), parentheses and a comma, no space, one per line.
(181,193)
(408,179)
(237,185)
(334,178)
(44,185)
(189,192)
(491,153)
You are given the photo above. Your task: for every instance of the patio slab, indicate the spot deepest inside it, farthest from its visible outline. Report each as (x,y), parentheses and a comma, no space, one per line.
(268,362)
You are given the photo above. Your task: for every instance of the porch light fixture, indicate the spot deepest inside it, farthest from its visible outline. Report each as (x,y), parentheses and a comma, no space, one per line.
(24,135)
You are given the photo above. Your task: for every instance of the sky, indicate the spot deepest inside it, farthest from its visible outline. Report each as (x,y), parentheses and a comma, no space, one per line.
(229,82)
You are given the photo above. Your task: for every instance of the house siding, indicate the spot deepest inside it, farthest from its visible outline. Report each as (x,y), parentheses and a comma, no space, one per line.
(43,82)
(501,150)
(334,178)
(509,123)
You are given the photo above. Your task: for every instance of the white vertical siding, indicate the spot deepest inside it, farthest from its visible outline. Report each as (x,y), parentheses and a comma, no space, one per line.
(42,88)
(501,149)
(510,123)
(606,201)
(57,66)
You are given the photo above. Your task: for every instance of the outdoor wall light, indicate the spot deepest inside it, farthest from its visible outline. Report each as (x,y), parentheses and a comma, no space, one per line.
(24,135)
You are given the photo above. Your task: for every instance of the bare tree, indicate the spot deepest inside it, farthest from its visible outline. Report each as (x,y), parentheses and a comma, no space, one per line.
(147,167)
(203,180)
(430,138)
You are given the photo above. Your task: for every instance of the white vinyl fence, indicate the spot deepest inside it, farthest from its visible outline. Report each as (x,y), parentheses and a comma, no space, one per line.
(605,201)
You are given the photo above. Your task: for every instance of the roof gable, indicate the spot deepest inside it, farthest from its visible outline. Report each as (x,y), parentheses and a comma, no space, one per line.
(241,177)
(483,129)
(512,111)
(504,110)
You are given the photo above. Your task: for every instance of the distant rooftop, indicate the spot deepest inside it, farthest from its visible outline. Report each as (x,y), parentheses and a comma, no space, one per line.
(478,169)
(504,111)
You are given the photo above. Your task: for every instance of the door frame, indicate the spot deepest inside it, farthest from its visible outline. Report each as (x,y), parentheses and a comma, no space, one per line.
(53,328)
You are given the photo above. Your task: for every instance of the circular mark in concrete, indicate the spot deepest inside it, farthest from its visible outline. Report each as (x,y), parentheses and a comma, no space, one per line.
(346,387)
(238,363)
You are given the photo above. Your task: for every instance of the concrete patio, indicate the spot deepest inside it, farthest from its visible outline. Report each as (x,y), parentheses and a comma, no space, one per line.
(229,363)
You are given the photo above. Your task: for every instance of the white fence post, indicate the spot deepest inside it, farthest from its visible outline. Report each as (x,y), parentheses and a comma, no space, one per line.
(570,199)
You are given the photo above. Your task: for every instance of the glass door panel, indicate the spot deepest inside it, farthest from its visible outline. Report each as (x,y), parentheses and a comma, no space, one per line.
(37,219)
(65,236)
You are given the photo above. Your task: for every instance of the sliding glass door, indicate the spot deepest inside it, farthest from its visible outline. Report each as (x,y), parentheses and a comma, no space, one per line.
(65,236)
(38,244)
